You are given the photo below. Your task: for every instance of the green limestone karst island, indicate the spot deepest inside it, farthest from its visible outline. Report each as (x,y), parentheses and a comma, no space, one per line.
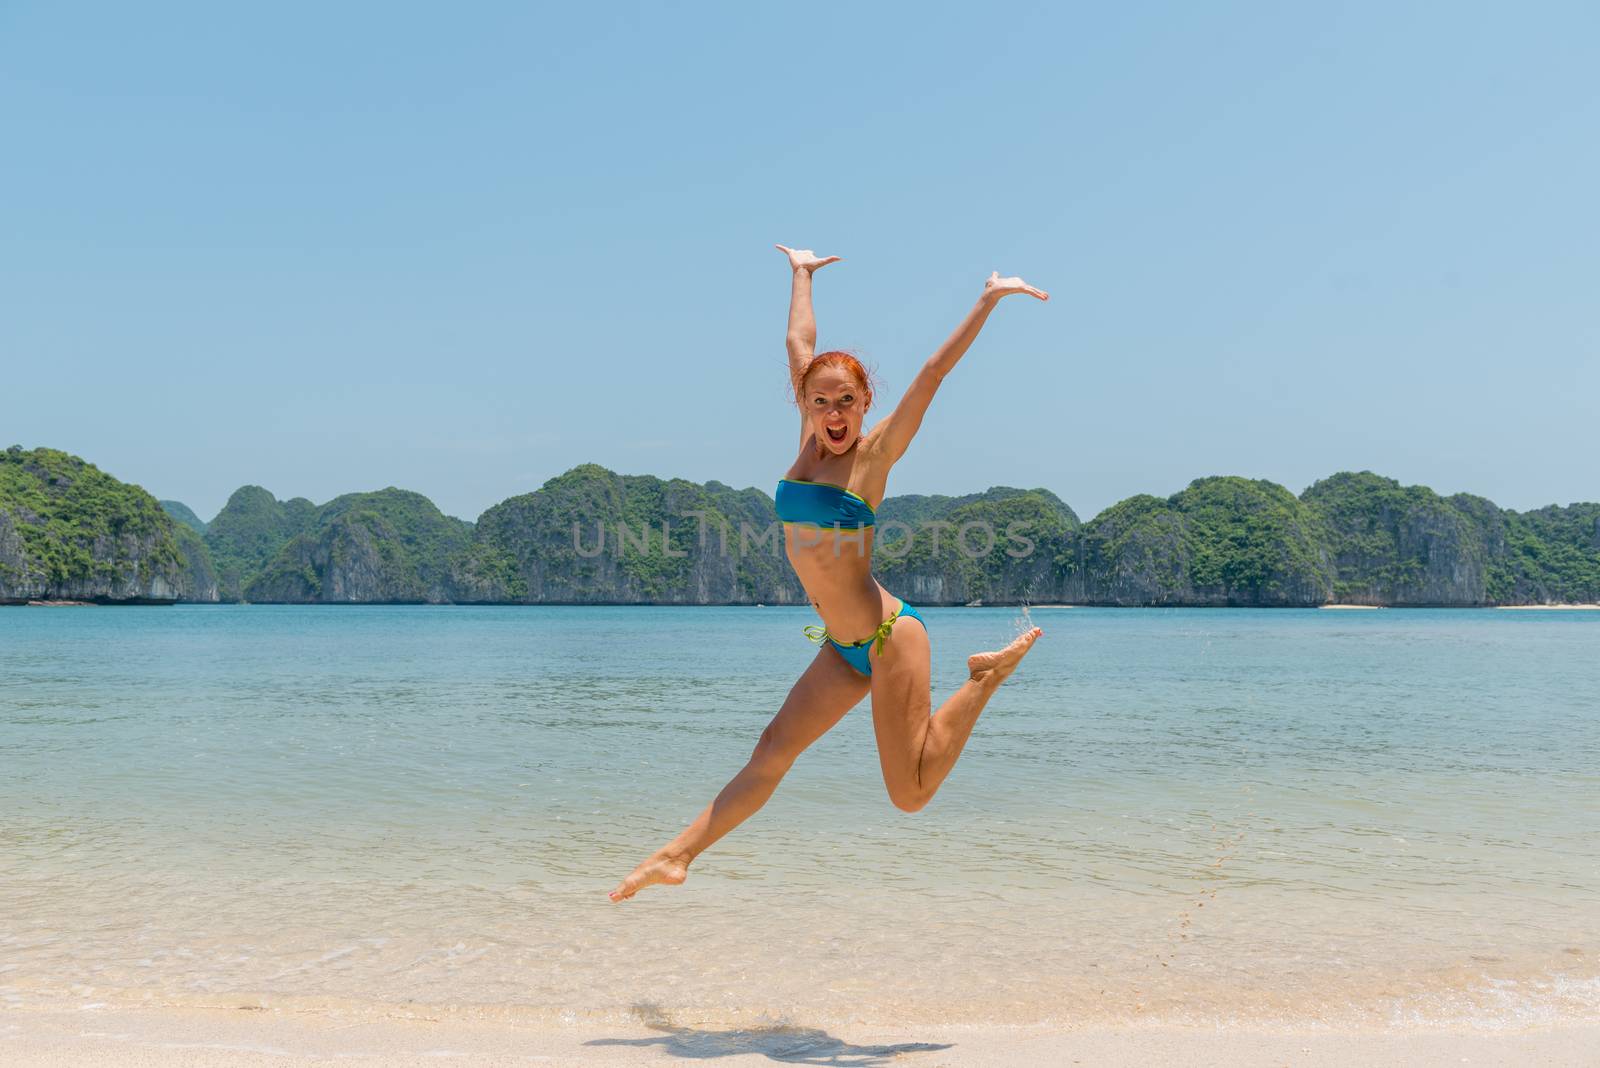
(68,531)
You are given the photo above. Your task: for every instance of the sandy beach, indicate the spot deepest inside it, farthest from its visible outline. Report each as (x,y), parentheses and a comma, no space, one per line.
(384,837)
(192,1038)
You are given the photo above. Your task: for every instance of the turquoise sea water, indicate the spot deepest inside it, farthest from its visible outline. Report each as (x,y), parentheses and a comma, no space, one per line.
(1381,817)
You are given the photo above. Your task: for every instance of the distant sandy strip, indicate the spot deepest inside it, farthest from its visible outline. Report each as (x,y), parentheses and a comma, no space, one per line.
(1548,607)
(1353,607)
(34,1038)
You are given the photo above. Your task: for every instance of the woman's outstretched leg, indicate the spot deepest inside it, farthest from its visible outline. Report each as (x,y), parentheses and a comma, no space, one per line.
(917,750)
(828,689)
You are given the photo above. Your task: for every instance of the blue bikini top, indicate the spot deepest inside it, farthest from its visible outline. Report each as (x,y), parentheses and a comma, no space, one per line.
(822,504)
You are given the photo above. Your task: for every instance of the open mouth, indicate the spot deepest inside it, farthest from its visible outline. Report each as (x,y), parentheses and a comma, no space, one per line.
(836,434)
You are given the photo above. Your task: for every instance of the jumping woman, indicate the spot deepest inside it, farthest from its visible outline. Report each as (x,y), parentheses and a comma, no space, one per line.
(872,641)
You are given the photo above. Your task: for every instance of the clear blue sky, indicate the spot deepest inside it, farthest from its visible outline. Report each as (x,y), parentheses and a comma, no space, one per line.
(462,248)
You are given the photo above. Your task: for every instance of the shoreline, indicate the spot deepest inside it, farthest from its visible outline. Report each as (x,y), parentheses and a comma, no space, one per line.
(147,603)
(170,1038)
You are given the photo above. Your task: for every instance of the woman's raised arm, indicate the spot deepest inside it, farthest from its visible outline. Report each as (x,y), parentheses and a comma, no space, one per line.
(802,337)
(893,435)
(801,340)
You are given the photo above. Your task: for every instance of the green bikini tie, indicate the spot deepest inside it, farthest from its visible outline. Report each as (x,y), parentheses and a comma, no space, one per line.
(820,634)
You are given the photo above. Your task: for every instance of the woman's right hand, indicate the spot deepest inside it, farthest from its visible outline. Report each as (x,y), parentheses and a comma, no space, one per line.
(997,287)
(804,259)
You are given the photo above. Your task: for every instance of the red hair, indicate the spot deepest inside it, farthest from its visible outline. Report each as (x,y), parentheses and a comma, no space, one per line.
(846,362)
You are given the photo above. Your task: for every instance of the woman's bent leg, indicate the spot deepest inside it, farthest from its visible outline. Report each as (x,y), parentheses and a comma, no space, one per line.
(828,689)
(917,750)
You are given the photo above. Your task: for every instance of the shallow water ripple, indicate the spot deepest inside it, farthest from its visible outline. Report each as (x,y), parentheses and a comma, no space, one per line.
(1194,815)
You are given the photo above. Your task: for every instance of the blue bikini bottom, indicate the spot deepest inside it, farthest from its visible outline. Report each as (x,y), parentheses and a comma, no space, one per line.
(855,653)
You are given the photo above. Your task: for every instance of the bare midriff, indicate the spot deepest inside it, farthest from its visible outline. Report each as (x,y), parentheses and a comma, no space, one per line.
(835,567)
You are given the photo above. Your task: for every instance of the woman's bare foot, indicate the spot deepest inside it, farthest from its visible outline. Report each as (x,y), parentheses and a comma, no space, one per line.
(661,868)
(997,666)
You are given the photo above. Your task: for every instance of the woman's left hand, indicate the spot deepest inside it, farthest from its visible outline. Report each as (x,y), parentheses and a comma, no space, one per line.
(997,287)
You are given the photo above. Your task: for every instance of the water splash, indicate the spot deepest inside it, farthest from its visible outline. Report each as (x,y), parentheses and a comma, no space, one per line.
(1023,622)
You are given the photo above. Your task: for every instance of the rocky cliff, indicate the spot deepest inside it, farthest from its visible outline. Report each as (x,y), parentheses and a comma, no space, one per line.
(590,536)
(1404,545)
(249,531)
(390,546)
(200,576)
(1003,544)
(1407,546)
(69,531)
(1223,541)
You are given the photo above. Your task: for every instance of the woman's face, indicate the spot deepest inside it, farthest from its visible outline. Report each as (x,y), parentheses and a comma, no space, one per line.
(834,404)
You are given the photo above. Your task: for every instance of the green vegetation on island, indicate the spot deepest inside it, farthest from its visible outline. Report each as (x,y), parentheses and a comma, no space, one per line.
(249,531)
(591,536)
(1003,544)
(1406,545)
(390,546)
(69,531)
(594,536)
(1221,541)
(1394,544)
(1552,556)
